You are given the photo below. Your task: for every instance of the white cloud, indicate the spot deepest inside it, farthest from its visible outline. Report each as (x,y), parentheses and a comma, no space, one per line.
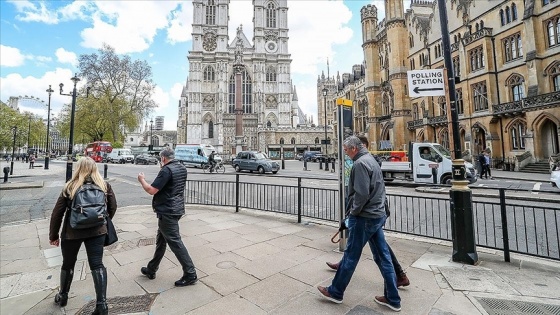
(75,10)
(161,98)
(35,12)
(65,56)
(128,26)
(11,57)
(241,12)
(180,29)
(15,85)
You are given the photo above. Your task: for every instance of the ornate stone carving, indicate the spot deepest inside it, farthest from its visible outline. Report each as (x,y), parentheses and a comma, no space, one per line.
(209,40)
(271,101)
(208,100)
(270,36)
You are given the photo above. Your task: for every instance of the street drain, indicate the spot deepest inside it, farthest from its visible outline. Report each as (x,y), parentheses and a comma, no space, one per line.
(146,241)
(123,304)
(512,307)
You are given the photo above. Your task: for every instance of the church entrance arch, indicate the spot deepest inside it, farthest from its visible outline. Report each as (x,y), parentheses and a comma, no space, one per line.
(549,138)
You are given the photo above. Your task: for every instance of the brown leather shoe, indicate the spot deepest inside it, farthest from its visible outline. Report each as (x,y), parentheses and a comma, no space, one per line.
(402,280)
(325,294)
(333,266)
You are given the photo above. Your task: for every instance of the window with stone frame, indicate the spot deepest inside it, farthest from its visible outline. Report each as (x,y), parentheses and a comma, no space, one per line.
(415,114)
(480,96)
(211,12)
(459,101)
(515,84)
(209,74)
(271,15)
(410,40)
(293,141)
(512,47)
(210,129)
(553,71)
(456,67)
(513,12)
(442,106)
(386,106)
(282,141)
(444,138)
(502,18)
(476,56)
(317,140)
(553,31)
(246,93)
(517,131)
(270,74)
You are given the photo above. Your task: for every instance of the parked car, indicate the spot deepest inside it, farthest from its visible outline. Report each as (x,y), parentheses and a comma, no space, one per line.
(299,156)
(310,155)
(254,161)
(555,176)
(120,156)
(145,159)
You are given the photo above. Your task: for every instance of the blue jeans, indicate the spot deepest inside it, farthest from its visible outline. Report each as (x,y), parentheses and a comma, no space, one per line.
(361,231)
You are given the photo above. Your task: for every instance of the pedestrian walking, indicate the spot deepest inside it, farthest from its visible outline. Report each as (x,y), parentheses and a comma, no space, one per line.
(70,239)
(487,164)
(482,164)
(402,279)
(31,161)
(366,202)
(168,203)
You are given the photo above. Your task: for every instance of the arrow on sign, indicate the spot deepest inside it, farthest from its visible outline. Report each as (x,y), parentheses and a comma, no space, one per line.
(417,90)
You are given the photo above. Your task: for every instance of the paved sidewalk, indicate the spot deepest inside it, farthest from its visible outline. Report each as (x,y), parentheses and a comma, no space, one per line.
(259,263)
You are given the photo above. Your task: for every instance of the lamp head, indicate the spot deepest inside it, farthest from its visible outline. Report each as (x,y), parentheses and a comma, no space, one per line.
(61,85)
(75,79)
(151,121)
(50,90)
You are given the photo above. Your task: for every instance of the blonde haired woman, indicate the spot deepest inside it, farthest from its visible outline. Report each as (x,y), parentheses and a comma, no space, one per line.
(71,239)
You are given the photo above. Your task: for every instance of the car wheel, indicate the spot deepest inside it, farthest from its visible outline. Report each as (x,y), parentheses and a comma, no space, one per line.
(446,180)
(274,172)
(261,170)
(237,168)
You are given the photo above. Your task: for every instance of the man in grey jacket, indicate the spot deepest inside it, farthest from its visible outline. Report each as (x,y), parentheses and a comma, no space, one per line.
(366,193)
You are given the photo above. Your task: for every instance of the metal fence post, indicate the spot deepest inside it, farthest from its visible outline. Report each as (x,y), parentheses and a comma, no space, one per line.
(105,167)
(505,235)
(299,199)
(237,192)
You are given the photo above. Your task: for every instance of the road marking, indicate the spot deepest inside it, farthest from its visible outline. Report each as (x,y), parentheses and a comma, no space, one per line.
(537,186)
(481,185)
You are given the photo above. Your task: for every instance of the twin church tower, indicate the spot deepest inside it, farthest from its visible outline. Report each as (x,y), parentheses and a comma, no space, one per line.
(237,88)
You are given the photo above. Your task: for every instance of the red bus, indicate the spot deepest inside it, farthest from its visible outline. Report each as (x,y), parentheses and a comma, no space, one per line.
(98,150)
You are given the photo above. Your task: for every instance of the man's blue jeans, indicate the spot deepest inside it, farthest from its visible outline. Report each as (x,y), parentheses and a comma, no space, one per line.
(362,231)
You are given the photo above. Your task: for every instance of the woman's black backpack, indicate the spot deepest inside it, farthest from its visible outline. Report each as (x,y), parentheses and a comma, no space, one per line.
(89,207)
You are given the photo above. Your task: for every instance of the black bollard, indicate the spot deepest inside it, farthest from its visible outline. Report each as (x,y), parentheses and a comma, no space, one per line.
(105,167)
(320,160)
(434,175)
(333,164)
(327,164)
(6,171)
(283,166)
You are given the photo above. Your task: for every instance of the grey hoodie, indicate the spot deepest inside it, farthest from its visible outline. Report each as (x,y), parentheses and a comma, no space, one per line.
(366,188)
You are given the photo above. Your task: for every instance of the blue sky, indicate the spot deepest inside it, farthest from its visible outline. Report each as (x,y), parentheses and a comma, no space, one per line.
(40,42)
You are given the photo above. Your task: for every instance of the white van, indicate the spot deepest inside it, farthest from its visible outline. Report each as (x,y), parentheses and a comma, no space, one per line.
(120,156)
(195,154)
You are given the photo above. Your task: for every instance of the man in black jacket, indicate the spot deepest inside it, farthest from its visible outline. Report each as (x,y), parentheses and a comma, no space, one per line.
(168,203)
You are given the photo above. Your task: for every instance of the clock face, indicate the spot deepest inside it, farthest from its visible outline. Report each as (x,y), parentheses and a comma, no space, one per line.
(209,42)
(271,47)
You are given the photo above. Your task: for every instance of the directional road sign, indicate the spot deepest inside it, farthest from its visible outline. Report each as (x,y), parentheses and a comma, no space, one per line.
(426,83)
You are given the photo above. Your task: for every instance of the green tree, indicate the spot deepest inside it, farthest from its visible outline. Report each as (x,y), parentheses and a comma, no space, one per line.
(121,89)
(30,128)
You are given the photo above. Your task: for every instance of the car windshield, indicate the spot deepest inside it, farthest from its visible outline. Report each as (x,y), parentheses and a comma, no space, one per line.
(260,156)
(207,151)
(443,151)
(126,152)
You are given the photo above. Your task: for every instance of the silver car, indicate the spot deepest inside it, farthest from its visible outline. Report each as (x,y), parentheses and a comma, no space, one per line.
(254,161)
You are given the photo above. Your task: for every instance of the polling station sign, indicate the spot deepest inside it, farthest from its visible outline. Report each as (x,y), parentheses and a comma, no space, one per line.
(426,83)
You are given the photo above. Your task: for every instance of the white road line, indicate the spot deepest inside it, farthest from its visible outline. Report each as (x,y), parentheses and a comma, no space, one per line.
(537,186)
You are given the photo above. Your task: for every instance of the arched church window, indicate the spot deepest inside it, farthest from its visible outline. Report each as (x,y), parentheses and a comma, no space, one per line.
(246,93)
(270,15)
(508,15)
(513,12)
(317,140)
(517,131)
(270,74)
(209,74)
(268,124)
(293,141)
(211,12)
(515,83)
(502,18)
(281,140)
(442,106)
(415,111)
(210,129)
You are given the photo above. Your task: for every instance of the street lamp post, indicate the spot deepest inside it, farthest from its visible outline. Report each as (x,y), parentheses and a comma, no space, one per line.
(74,95)
(47,157)
(28,133)
(462,222)
(13,151)
(151,146)
(325,91)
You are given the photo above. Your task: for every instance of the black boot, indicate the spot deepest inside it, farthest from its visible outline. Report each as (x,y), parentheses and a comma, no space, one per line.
(100,282)
(66,276)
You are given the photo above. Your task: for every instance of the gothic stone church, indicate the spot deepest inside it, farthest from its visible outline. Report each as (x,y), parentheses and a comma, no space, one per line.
(231,79)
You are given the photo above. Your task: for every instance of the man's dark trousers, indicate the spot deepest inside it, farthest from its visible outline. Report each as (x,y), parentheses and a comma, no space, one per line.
(168,233)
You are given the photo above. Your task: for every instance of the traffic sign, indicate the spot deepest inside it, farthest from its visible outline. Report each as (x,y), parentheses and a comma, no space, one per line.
(426,83)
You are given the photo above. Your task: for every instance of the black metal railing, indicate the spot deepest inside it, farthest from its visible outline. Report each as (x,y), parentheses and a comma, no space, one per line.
(532,228)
